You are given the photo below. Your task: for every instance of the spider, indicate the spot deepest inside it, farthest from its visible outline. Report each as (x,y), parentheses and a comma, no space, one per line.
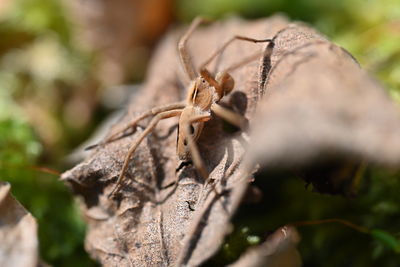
(204,93)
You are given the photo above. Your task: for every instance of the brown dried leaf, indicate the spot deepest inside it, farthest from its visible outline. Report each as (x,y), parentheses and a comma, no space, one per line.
(18,232)
(153,222)
(279,250)
(320,106)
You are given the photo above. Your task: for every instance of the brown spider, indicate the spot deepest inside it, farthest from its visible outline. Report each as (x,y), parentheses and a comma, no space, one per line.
(204,93)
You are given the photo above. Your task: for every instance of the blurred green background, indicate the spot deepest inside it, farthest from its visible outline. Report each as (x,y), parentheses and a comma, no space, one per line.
(59,61)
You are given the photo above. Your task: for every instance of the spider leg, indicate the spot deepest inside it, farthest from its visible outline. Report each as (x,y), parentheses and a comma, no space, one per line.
(184,54)
(149,128)
(230,116)
(194,151)
(196,158)
(227,43)
(266,54)
(133,123)
(207,75)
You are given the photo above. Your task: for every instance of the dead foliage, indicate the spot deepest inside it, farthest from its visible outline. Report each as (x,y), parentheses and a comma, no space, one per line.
(19,244)
(279,250)
(308,102)
(322,114)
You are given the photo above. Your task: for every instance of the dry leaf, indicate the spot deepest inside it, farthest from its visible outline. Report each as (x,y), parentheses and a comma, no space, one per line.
(316,105)
(18,232)
(164,217)
(321,108)
(279,250)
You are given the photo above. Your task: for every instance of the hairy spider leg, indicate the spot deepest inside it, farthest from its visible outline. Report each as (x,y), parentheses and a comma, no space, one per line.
(194,151)
(227,43)
(135,121)
(149,128)
(230,116)
(184,54)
